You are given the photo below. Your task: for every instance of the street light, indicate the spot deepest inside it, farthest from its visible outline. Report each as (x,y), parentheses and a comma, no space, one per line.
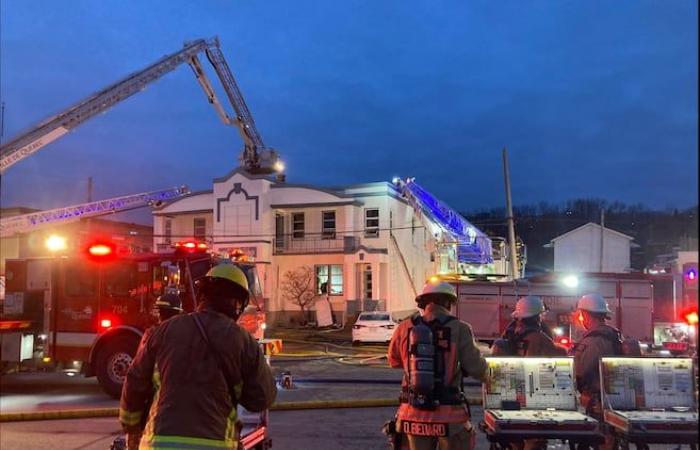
(55,243)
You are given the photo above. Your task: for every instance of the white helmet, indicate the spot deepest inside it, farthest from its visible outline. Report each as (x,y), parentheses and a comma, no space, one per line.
(438,287)
(528,306)
(594,303)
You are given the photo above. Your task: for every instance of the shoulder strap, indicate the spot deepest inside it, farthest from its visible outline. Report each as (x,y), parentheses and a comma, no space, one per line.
(217,355)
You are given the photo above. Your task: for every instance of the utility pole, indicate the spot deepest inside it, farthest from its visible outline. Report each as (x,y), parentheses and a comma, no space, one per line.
(602,239)
(509,218)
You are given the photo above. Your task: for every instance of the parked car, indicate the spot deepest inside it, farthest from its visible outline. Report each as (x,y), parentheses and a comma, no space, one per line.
(375,326)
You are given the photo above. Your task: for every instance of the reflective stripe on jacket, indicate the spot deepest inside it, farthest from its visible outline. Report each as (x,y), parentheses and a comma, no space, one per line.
(463,358)
(191,405)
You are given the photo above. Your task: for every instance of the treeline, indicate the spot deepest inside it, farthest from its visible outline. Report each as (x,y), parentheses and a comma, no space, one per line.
(656,232)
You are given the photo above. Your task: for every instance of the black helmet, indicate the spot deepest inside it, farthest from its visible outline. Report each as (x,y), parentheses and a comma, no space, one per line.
(169,301)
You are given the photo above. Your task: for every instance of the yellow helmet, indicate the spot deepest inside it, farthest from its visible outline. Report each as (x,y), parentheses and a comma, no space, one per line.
(229,272)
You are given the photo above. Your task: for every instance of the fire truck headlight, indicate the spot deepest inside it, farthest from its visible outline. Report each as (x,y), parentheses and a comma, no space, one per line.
(570,281)
(558,331)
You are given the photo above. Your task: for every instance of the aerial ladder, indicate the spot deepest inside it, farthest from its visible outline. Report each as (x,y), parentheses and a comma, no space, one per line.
(465,246)
(255,157)
(41,219)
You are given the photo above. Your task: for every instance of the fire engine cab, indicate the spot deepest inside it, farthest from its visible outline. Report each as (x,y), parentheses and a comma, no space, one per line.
(87,314)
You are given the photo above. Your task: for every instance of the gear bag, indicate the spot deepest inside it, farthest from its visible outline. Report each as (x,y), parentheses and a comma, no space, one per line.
(429,342)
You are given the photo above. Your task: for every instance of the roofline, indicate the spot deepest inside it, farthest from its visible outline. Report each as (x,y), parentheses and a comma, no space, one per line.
(594,224)
(175,200)
(242,171)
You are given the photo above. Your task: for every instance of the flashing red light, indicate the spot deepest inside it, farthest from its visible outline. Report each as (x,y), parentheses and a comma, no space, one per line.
(691,317)
(100,250)
(191,246)
(106,323)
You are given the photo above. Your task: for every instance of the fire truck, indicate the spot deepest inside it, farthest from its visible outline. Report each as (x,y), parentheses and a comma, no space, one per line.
(87,314)
(488,305)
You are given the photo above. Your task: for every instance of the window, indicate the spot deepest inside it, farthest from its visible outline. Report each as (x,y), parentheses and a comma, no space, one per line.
(200,228)
(81,280)
(298,225)
(168,230)
(371,223)
(119,280)
(329,279)
(328,225)
(367,281)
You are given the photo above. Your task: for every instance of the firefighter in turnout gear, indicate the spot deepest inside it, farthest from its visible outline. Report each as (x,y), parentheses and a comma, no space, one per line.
(200,366)
(599,340)
(435,350)
(167,306)
(527,337)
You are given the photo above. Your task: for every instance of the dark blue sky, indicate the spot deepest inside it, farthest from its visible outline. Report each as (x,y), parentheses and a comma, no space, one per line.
(592,98)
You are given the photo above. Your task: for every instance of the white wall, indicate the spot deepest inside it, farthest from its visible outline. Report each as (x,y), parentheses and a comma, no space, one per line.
(579,251)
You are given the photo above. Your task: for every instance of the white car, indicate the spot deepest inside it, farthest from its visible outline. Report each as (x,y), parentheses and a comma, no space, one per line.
(375,326)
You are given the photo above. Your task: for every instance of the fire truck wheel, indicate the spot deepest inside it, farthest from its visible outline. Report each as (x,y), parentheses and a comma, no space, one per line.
(113,361)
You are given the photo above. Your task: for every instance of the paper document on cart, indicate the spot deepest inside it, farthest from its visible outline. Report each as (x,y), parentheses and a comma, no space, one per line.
(535,383)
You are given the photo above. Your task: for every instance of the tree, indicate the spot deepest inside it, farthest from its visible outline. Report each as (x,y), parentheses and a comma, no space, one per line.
(298,288)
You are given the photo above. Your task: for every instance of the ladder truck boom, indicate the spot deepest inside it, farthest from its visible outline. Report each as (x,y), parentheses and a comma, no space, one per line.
(255,157)
(33,221)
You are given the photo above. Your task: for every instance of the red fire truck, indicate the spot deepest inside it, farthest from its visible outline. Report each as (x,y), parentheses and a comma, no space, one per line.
(87,314)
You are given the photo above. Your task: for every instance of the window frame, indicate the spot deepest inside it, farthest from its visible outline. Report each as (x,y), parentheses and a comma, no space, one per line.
(298,234)
(328,233)
(168,230)
(329,279)
(203,227)
(371,231)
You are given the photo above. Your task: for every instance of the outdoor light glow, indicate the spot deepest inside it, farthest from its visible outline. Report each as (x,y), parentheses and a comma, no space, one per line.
(56,243)
(395,180)
(558,331)
(691,275)
(279,166)
(691,318)
(570,281)
(106,323)
(100,250)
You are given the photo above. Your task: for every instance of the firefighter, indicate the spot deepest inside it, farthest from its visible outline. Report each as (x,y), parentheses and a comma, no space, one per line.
(527,336)
(435,350)
(200,366)
(167,306)
(600,339)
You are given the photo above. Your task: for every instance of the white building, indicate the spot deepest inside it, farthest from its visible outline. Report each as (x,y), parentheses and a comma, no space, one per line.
(364,241)
(579,250)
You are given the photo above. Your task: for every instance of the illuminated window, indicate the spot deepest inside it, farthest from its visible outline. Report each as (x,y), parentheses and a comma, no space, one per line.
(328,225)
(371,223)
(298,225)
(200,228)
(329,279)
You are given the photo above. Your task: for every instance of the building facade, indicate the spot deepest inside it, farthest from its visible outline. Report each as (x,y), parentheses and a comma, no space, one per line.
(367,247)
(579,250)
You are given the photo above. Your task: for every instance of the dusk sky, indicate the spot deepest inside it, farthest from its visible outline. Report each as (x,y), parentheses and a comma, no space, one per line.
(592,98)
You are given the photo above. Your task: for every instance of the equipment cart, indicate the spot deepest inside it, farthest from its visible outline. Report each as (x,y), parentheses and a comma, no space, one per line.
(649,401)
(534,398)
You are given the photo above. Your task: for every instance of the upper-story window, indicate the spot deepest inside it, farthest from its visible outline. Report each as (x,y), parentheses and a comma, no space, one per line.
(372,223)
(200,228)
(328,225)
(168,230)
(298,225)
